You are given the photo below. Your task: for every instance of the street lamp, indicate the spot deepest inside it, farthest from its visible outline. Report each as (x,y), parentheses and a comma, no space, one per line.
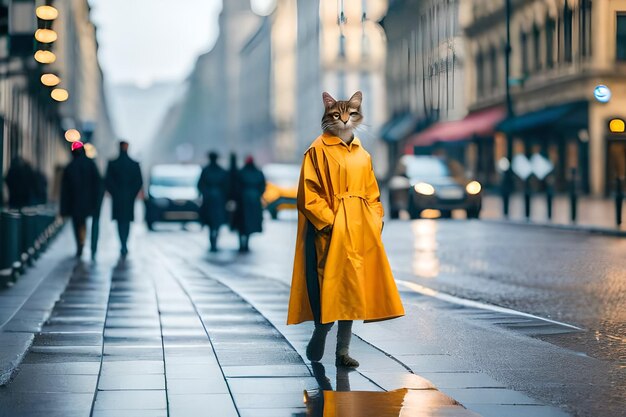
(50,80)
(508,175)
(45,57)
(46,35)
(60,94)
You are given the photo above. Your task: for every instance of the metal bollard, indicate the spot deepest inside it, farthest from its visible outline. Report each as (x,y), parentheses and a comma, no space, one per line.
(9,249)
(549,199)
(619,199)
(28,236)
(573,198)
(527,199)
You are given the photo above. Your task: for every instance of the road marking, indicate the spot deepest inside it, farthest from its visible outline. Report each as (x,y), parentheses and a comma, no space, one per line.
(476,304)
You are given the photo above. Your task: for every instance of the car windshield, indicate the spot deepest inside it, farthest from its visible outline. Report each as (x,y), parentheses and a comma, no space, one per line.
(425,168)
(175,176)
(282,175)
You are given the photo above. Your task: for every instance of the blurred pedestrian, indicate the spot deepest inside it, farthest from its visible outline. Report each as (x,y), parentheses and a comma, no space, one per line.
(123,181)
(213,186)
(249,186)
(81,186)
(21,183)
(231,205)
(40,188)
(341,272)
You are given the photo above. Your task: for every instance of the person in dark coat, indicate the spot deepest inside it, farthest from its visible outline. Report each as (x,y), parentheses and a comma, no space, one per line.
(231,206)
(40,188)
(81,186)
(213,186)
(250,186)
(123,181)
(21,183)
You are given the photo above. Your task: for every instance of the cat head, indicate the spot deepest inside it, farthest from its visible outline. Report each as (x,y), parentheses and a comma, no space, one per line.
(342,117)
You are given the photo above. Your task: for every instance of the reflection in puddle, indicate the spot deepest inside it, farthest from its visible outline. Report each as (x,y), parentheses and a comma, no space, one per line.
(398,403)
(425,261)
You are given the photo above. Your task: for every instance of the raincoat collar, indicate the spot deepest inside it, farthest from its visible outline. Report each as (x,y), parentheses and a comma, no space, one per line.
(330,140)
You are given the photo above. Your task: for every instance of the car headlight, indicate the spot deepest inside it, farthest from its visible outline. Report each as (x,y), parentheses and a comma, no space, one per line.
(424,188)
(473,188)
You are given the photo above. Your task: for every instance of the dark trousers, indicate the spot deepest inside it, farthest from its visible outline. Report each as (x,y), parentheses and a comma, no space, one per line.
(213,234)
(123,229)
(243,243)
(80,233)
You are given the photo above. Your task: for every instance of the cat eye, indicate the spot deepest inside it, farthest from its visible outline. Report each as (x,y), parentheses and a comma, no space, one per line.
(336,115)
(354,113)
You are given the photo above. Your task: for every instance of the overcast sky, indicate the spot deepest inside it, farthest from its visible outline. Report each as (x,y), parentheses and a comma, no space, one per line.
(143,41)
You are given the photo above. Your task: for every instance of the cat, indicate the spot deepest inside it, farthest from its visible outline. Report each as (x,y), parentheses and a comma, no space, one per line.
(342,117)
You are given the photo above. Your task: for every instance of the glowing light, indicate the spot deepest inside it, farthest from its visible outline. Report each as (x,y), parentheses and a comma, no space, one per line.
(72,135)
(473,188)
(602,93)
(424,188)
(90,151)
(617,126)
(46,35)
(50,80)
(430,214)
(60,94)
(47,13)
(45,57)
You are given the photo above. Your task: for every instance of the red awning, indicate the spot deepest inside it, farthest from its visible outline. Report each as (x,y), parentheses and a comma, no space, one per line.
(481,123)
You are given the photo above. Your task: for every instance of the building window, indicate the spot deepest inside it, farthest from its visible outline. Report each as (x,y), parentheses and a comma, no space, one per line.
(567,33)
(620,41)
(536,48)
(480,73)
(585,28)
(550,31)
(493,59)
(524,53)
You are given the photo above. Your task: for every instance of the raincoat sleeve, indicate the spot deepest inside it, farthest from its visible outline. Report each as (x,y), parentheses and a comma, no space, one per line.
(373,194)
(311,201)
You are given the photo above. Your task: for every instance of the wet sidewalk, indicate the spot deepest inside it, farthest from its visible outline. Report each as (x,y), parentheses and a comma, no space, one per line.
(593,214)
(172,332)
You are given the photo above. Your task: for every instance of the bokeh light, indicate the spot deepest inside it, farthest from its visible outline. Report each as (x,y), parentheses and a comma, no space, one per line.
(45,57)
(50,80)
(72,135)
(47,13)
(60,94)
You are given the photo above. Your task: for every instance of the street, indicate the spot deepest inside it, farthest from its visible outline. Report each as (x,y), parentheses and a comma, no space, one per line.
(176,330)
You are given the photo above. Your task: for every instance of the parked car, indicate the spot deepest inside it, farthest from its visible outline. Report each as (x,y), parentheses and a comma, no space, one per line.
(173,194)
(431,183)
(281,190)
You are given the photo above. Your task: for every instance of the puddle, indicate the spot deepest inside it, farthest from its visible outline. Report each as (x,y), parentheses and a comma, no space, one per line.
(404,402)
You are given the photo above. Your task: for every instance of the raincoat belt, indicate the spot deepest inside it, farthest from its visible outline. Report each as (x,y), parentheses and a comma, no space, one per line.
(351,194)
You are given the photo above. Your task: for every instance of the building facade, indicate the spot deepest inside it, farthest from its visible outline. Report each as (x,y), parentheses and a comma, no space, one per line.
(560,51)
(32,124)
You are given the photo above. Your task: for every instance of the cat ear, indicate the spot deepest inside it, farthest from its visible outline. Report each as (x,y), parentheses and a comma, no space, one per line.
(329,101)
(356,99)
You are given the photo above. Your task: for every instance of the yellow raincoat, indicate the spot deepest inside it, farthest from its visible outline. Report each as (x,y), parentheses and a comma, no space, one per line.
(344,275)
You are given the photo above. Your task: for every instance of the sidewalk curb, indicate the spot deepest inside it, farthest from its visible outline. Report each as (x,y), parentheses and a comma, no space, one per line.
(562,227)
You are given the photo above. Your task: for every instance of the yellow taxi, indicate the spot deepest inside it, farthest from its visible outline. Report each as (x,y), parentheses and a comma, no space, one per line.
(281,188)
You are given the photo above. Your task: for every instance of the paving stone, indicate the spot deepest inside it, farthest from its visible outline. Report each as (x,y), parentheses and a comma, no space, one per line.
(271,385)
(130,400)
(192,371)
(461,380)
(207,385)
(65,368)
(266,371)
(209,405)
(132,367)
(273,412)
(270,400)
(27,382)
(132,382)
